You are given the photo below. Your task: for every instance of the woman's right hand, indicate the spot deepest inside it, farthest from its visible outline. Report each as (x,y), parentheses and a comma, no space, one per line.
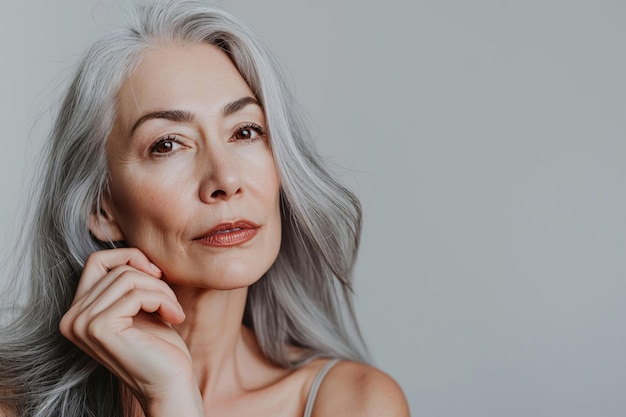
(122,316)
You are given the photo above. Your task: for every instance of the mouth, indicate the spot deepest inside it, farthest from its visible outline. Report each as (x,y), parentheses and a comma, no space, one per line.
(229,234)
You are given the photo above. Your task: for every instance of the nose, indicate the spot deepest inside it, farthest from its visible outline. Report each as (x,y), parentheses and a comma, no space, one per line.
(220,176)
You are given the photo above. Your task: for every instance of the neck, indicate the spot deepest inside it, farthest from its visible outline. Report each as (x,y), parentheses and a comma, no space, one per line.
(213,321)
(219,344)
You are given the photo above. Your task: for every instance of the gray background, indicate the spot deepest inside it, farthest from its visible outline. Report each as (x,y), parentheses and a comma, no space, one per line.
(486,141)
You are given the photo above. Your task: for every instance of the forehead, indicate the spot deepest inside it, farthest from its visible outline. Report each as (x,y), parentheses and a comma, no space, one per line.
(193,77)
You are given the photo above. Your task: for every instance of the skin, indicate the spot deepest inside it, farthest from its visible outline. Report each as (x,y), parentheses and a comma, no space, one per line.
(165,315)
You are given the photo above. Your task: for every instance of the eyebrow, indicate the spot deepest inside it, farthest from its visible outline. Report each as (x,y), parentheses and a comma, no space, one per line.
(183,116)
(237,105)
(180,116)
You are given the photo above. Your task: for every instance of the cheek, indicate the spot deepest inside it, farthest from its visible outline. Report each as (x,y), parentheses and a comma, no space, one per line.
(144,207)
(275,213)
(259,174)
(269,186)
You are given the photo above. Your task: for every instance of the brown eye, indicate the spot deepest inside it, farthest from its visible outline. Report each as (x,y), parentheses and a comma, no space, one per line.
(249,132)
(244,133)
(165,145)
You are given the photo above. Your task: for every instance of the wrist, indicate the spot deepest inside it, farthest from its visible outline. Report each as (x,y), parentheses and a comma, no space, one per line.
(176,400)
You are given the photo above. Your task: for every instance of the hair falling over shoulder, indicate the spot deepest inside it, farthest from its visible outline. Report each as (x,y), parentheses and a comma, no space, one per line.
(304,300)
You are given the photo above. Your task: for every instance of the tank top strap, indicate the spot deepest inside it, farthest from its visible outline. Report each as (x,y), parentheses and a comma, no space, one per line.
(315,386)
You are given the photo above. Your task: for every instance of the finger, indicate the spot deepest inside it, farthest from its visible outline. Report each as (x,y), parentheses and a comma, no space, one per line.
(105,335)
(120,315)
(91,331)
(140,350)
(122,289)
(101,262)
(131,284)
(117,283)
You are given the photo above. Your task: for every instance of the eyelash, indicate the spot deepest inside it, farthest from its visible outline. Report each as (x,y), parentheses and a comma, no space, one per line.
(250,126)
(168,138)
(173,138)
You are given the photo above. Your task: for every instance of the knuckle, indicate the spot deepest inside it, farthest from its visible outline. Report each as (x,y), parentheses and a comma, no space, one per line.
(132,253)
(135,251)
(78,325)
(123,272)
(94,330)
(93,256)
(163,285)
(65,326)
(127,275)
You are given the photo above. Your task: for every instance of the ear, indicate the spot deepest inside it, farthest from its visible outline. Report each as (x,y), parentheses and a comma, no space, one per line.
(102,224)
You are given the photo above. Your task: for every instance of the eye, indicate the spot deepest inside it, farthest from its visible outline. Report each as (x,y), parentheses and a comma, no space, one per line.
(251,132)
(165,145)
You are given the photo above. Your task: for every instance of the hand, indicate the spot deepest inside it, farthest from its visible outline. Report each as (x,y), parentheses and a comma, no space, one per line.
(122,316)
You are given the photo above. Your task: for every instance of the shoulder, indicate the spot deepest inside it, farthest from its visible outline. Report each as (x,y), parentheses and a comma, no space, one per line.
(356,389)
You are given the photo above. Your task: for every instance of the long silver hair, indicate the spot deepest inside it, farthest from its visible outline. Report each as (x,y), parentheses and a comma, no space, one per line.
(304,300)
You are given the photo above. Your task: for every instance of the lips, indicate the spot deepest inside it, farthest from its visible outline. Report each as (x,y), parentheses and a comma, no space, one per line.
(229,234)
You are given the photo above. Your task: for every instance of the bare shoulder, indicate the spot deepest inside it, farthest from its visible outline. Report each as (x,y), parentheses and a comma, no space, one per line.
(356,389)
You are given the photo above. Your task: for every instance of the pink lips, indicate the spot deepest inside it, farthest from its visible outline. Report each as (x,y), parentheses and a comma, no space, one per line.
(229,234)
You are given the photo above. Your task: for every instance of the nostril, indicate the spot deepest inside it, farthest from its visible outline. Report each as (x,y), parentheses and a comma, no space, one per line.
(218,193)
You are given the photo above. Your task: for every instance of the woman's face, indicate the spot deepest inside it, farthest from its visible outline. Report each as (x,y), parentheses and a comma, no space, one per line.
(192,178)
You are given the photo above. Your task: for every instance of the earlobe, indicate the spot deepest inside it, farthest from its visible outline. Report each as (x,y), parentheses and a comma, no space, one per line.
(103,226)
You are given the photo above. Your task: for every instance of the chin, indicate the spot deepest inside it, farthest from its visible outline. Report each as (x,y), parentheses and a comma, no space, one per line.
(226,275)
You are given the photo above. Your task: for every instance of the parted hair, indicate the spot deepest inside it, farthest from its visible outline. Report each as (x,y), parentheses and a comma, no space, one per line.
(304,299)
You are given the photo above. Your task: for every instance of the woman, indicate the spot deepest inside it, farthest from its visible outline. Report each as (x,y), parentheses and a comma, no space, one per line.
(189,254)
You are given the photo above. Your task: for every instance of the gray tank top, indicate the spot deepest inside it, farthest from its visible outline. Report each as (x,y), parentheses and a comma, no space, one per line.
(308,408)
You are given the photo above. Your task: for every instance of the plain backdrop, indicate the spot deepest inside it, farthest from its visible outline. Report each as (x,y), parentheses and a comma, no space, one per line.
(486,140)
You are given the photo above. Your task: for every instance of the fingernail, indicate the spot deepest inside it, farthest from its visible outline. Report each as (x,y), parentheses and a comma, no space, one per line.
(155,268)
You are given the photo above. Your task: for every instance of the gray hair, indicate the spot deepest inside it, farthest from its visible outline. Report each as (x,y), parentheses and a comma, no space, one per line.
(303,300)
